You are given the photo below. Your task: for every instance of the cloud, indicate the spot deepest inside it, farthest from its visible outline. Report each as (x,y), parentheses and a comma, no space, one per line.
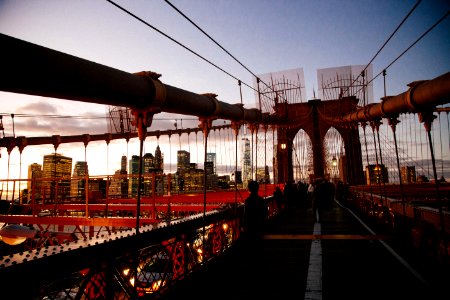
(45,126)
(43,108)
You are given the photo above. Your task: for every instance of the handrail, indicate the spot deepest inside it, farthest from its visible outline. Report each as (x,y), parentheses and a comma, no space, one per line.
(113,263)
(52,263)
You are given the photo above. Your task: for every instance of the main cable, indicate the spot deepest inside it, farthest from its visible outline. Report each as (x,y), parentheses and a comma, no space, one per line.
(175,41)
(412,45)
(220,46)
(385,43)
(198,27)
(182,45)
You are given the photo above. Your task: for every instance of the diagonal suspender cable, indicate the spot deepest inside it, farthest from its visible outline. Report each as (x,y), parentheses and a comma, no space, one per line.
(215,42)
(412,45)
(387,41)
(173,40)
(180,44)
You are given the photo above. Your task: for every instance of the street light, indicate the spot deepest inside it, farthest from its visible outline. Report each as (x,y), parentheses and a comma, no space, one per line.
(14,234)
(283,146)
(334,170)
(334,161)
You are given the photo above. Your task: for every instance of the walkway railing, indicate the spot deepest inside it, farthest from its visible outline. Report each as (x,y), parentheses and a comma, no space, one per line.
(126,264)
(415,221)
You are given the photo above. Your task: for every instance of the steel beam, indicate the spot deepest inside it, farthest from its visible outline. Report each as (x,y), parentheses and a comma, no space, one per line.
(421,96)
(36,70)
(22,141)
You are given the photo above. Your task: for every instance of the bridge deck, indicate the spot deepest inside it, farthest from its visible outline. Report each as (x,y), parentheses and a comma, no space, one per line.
(338,258)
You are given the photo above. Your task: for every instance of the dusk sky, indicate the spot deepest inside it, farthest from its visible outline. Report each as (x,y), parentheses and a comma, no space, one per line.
(266,36)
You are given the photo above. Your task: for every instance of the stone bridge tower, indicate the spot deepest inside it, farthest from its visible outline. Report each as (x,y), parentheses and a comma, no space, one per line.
(316,117)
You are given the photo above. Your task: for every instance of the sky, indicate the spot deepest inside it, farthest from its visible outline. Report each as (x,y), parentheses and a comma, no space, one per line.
(265,36)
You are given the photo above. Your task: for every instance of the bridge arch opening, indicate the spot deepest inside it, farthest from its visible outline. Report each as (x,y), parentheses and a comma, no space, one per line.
(302,158)
(334,151)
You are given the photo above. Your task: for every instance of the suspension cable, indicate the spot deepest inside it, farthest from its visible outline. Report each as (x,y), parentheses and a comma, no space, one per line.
(14,131)
(196,144)
(415,136)
(220,46)
(421,145)
(368,165)
(388,217)
(265,160)
(440,141)
(186,47)
(407,49)
(20,175)
(189,143)
(86,184)
(175,41)
(448,129)
(7,182)
(408,136)
(387,41)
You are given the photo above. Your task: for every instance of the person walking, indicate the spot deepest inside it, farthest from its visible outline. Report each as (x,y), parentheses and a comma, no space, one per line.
(310,193)
(255,214)
(316,198)
(255,211)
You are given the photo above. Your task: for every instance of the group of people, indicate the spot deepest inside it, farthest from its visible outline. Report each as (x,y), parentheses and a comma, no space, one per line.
(301,194)
(322,193)
(318,195)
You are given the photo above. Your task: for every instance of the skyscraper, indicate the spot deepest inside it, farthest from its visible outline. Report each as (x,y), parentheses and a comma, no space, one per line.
(183,161)
(123,177)
(408,174)
(149,162)
(134,172)
(118,186)
(78,181)
(246,163)
(57,169)
(35,184)
(376,174)
(210,169)
(211,157)
(123,165)
(159,159)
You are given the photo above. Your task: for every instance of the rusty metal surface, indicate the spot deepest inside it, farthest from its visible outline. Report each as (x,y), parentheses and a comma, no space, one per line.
(422,96)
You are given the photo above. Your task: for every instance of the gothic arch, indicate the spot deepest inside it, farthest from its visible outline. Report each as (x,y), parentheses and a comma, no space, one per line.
(316,117)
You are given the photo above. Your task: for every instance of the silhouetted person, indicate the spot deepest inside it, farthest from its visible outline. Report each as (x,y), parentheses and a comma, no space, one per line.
(317,200)
(310,194)
(302,196)
(340,191)
(255,211)
(329,192)
(290,193)
(279,197)
(255,214)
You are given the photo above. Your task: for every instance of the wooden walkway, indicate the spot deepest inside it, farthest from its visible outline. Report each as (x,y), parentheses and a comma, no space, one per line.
(336,258)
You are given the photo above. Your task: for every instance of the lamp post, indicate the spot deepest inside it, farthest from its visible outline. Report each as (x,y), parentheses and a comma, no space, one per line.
(284,162)
(334,164)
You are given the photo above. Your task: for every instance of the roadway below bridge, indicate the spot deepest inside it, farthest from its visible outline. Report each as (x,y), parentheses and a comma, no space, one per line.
(339,257)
